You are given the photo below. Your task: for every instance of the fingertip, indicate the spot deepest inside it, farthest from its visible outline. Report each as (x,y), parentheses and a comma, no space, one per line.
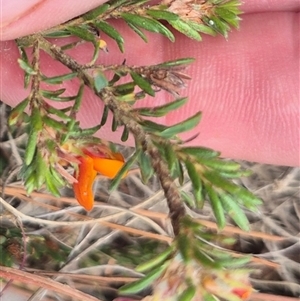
(24,17)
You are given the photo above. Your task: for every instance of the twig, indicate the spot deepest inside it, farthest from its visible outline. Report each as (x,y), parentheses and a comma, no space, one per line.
(47,283)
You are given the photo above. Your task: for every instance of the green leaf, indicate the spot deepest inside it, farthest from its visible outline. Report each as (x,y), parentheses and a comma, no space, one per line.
(57,34)
(181,127)
(221,165)
(234,211)
(188,294)
(104,115)
(216,24)
(142,83)
(31,147)
(228,16)
(59,79)
(78,99)
(61,98)
(204,259)
(151,126)
(57,177)
(111,32)
(17,111)
(41,166)
(30,182)
(54,93)
(216,205)
(163,110)
(196,182)
(154,262)
(100,81)
(162,15)
(243,195)
(93,14)
(114,124)
(26,67)
(78,132)
(82,33)
(125,134)
(148,24)
(184,247)
(51,184)
(146,168)
(200,152)
(61,113)
(186,29)
(171,158)
(188,199)
(138,32)
(122,172)
(25,59)
(123,89)
(177,63)
(201,28)
(53,123)
(209,297)
(137,286)
(36,120)
(233,263)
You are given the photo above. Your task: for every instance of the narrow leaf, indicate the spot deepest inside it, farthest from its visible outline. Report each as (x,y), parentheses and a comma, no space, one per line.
(48,94)
(135,287)
(148,24)
(154,262)
(31,147)
(162,110)
(176,63)
(125,134)
(26,67)
(171,158)
(186,29)
(93,14)
(82,33)
(59,79)
(200,152)
(162,14)
(243,195)
(104,115)
(234,211)
(221,165)
(40,169)
(50,184)
(204,259)
(142,83)
(181,127)
(17,111)
(138,31)
(151,126)
(196,182)
(123,171)
(216,205)
(146,168)
(111,32)
(188,294)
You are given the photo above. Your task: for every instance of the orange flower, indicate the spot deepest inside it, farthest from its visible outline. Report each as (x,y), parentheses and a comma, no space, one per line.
(94,159)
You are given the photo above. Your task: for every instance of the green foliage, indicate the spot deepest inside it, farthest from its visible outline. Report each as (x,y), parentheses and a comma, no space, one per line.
(56,139)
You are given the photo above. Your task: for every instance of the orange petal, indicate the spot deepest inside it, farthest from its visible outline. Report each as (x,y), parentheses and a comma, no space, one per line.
(108,167)
(85,177)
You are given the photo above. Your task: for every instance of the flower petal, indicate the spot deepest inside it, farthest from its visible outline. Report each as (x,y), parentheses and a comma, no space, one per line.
(85,176)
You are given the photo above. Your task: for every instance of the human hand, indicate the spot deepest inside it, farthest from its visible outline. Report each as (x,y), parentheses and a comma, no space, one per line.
(247,87)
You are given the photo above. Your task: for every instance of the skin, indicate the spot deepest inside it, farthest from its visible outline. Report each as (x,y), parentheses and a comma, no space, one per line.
(247,87)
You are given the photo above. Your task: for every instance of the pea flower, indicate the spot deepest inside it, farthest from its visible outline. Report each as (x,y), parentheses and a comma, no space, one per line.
(94,159)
